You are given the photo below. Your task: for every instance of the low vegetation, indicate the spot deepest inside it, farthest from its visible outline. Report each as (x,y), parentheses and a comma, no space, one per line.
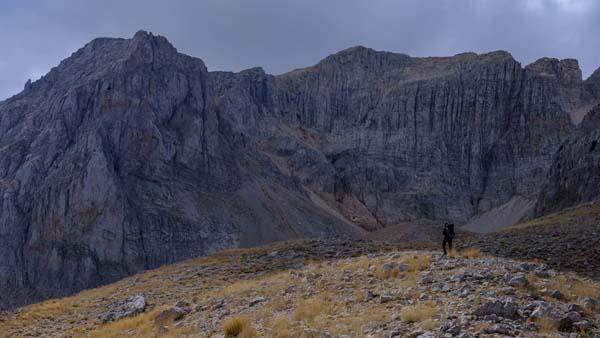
(239,326)
(259,294)
(418,313)
(575,287)
(143,325)
(465,253)
(547,325)
(309,310)
(417,261)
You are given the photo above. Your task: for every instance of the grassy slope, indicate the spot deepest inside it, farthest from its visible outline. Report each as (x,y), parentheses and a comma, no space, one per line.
(303,288)
(568,240)
(219,287)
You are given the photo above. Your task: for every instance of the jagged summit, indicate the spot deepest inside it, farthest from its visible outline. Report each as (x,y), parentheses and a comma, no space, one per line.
(362,54)
(595,76)
(502,54)
(592,85)
(103,58)
(566,69)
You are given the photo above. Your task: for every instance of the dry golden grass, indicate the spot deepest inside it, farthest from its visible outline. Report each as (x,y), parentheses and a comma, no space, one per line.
(355,322)
(470,253)
(239,326)
(585,288)
(574,287)
(547,325)
(361,263)
(280,328)
(417,261)
(292,304)
(138,326)
(141,325)
(310,309)
(387,274)
(277,303)
(417,312)
(268,285)
(429,324)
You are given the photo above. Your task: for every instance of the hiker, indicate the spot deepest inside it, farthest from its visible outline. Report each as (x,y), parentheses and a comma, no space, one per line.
(448,236)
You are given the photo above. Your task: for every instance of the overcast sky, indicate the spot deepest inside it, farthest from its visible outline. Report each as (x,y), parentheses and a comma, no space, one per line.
(280,35)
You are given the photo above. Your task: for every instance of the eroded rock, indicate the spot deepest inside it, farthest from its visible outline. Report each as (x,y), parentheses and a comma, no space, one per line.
(130,306)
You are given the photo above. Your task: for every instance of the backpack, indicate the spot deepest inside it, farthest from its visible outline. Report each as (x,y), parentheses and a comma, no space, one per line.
(448,230)
(451,230)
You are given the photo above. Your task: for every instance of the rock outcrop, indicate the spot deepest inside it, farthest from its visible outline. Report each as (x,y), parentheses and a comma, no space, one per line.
(129,155)
(574,176)
(592,85)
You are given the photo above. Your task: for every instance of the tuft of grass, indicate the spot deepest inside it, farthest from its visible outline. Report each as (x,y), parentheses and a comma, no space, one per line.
(309,309)
(429,324)
(141,325)
(387,274)
(574,287)
(360,263)
(417,312)
(281,327)
(417,262)
(547,325)
(584,288)
(239,326)
(562,284)
(470,253)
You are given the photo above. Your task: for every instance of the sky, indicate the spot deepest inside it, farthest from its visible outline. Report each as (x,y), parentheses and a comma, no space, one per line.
(281,35)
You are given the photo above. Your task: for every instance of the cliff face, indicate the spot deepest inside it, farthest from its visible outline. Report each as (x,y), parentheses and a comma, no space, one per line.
(120,160)
(129,155)
(592,85)
(428,137)
(574,176)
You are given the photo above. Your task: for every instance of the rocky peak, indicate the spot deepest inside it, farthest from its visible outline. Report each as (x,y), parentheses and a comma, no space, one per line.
(595,77)
(563,79)
(360,55)
(352,53)
(496,55)
(151,48)
(566,70)
(592,85)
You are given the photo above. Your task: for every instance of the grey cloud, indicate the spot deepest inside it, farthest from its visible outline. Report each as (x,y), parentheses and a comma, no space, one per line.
(282,35)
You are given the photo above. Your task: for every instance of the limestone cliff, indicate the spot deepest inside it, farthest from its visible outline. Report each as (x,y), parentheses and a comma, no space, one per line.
(574,176)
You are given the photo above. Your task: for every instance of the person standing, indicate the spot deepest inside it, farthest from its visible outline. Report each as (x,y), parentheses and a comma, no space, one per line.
(448,236)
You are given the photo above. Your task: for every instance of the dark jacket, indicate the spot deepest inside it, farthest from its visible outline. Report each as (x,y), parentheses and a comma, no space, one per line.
(448,231)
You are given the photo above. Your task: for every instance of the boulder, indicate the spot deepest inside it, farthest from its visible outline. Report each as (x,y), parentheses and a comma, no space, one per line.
(518,281)
(504,308)
(545,309)
(125,308)
(590,304)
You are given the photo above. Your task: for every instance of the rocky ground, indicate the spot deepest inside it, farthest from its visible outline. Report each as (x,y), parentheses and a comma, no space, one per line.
(327,288)
(568,240)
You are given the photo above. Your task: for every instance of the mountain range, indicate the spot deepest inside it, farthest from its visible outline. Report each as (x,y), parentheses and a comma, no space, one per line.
(129,155)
